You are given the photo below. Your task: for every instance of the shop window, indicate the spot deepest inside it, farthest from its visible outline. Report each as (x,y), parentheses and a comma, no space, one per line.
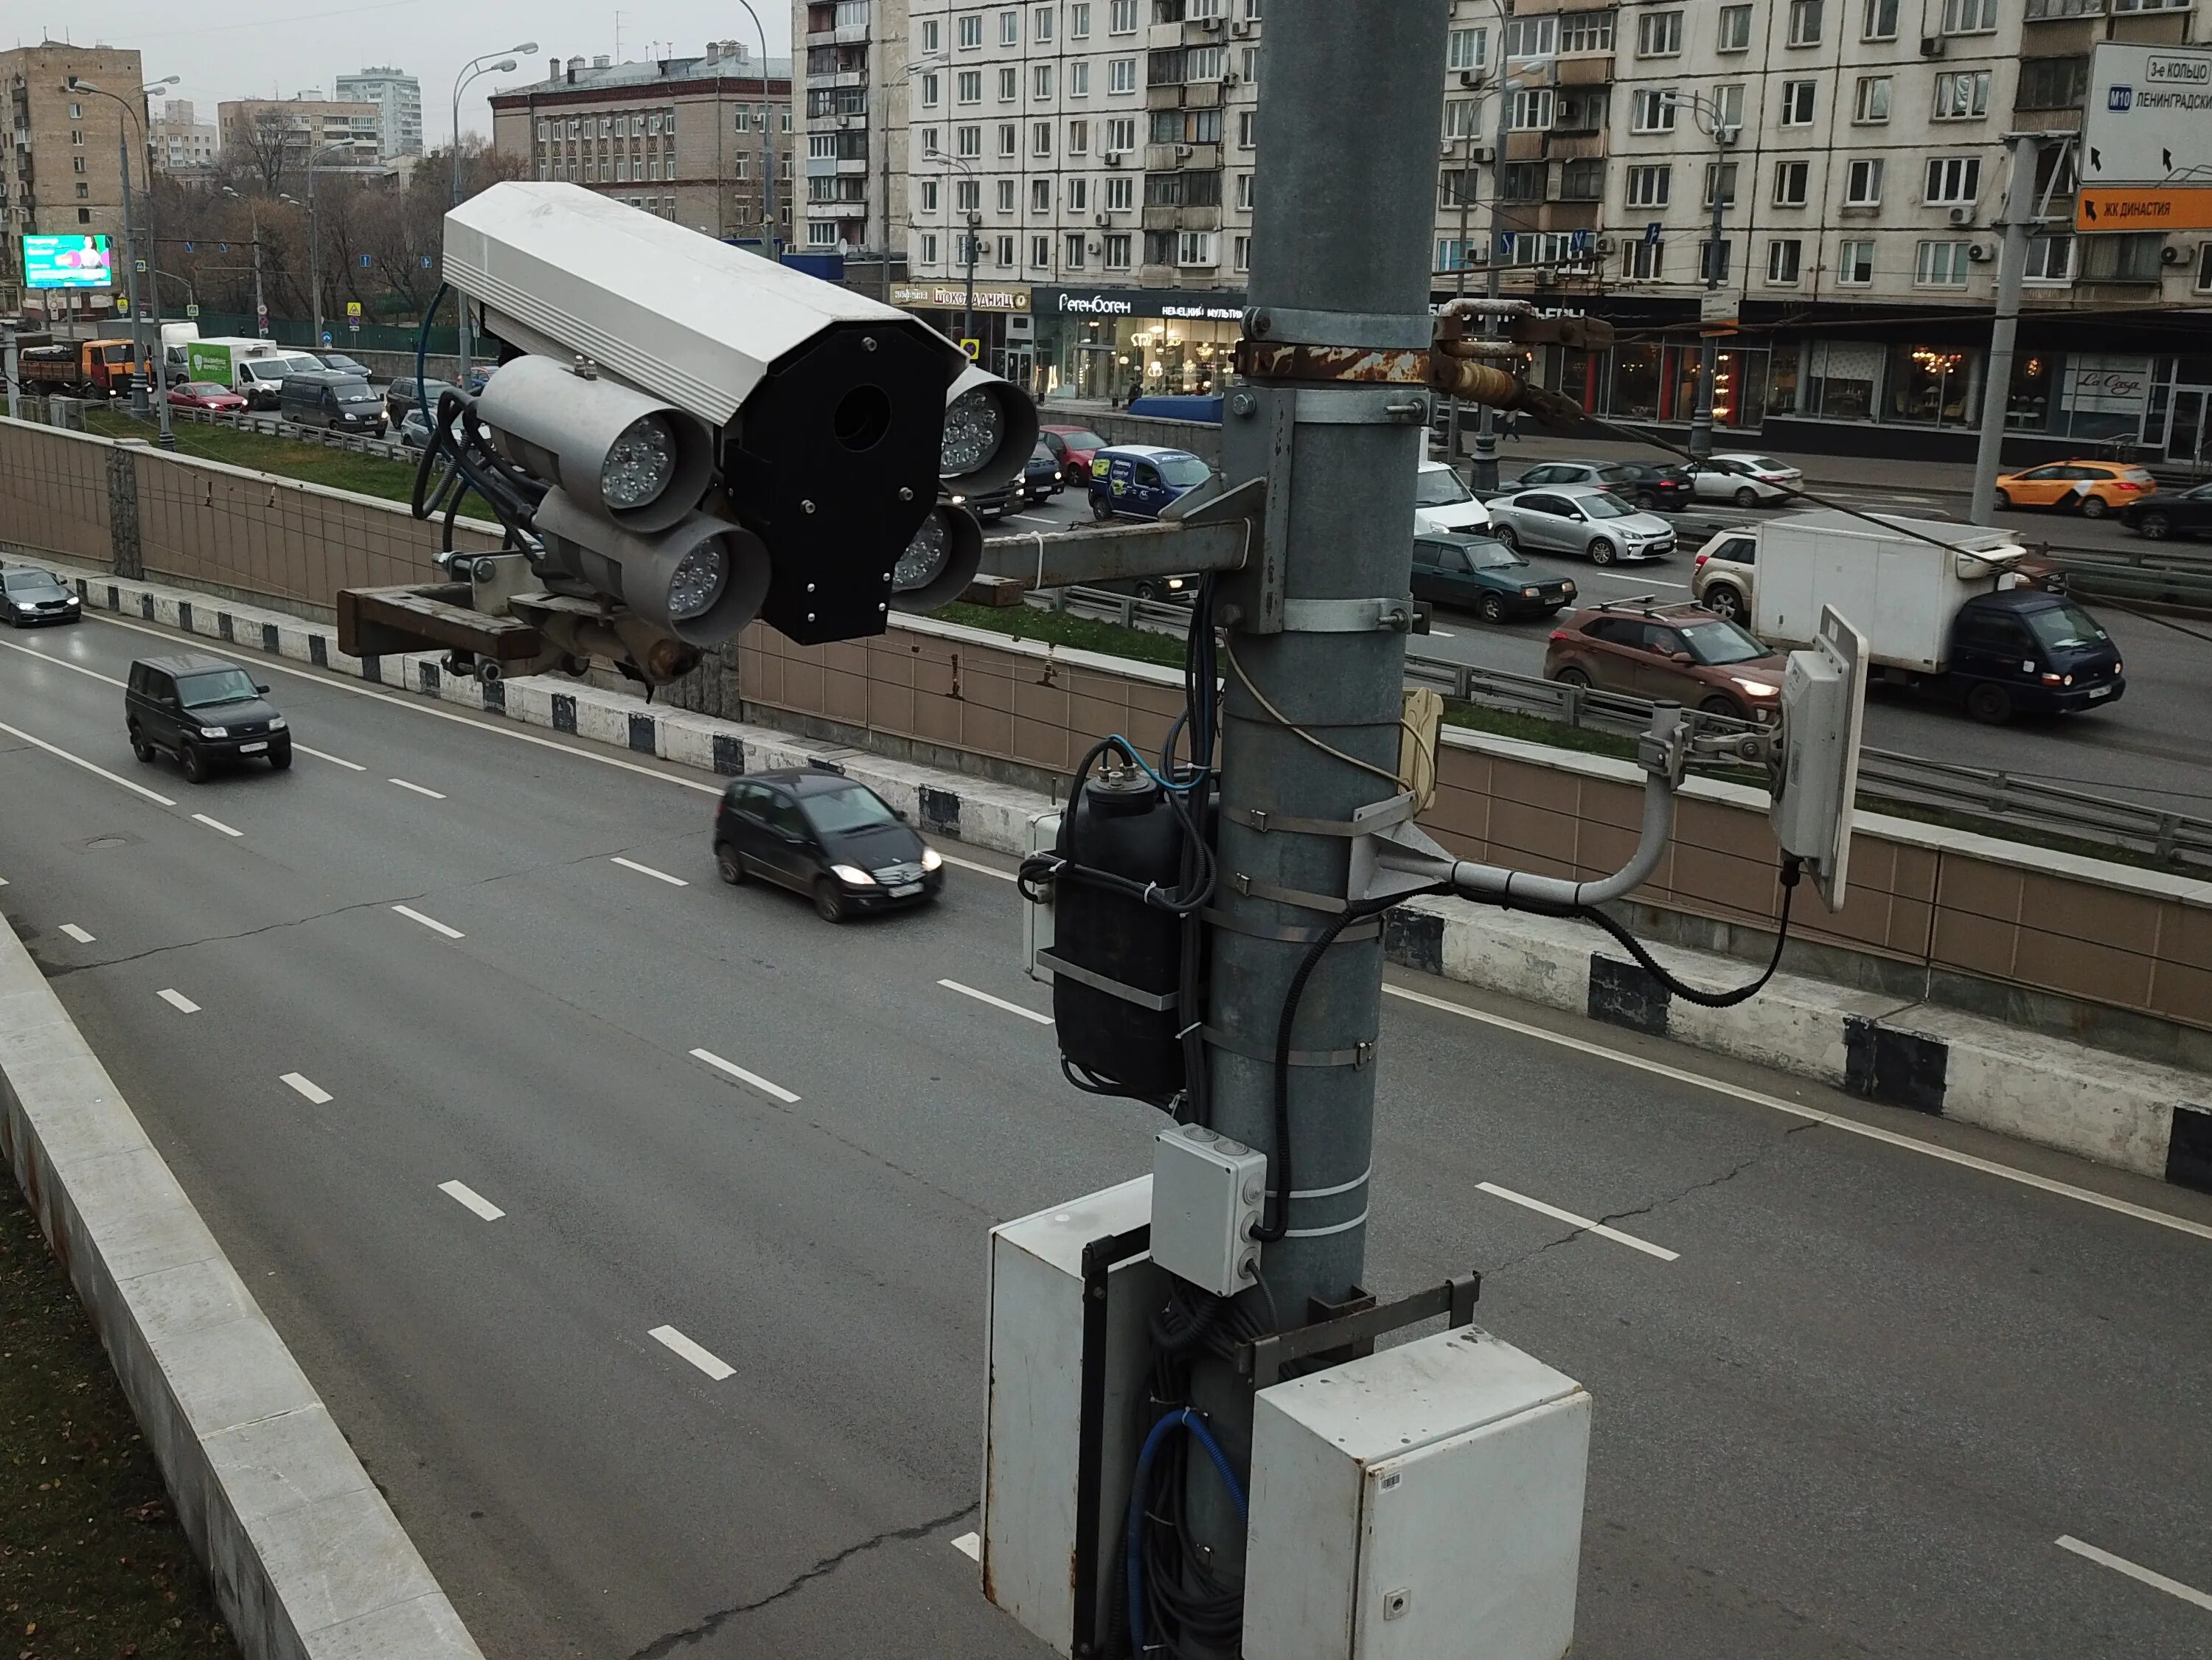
(2027,398)
(1782,379)
(1840,379)
(2204,268)
(1635,382)
(1929,385)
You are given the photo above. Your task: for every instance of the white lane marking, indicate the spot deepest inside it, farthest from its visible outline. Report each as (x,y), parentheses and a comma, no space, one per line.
(1442,633)
(982,870)
(76,933)
(1850,1126)
(61,662)
(430,922)
(703,1358)
(969,1545)
(178,1000)
(742,1075)
(417,788)
(1032,519)
(996,1002)
(3,881)
(1588,1224)
(2121,1564)
(335,760)
(78,761)
(470,1197)
(647,870)
(381,695)
(216,825)
(306,1087)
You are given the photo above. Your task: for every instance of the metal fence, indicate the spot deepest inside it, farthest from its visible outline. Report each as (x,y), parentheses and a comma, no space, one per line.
(1886,776)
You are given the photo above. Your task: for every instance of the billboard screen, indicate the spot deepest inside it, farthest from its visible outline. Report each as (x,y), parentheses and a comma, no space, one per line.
(68,262)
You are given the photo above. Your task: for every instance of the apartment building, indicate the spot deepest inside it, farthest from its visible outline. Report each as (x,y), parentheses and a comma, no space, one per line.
(1858,148)
(62,176)
(182,142)
(689,138)
(277,135)
(852,109)
(398,96)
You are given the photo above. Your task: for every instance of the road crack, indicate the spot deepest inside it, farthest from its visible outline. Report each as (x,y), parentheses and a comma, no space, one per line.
(660,1647)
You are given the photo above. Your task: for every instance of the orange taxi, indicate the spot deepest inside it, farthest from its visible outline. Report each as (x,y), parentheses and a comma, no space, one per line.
(2092,489)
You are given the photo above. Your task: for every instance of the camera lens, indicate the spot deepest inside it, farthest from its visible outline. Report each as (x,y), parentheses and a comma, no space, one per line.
(639,464)
(697,582)
(924,558)
(974,427)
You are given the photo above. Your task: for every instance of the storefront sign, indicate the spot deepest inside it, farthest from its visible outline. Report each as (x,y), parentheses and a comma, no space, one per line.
(953,296)
(1177,304)
(2112,385)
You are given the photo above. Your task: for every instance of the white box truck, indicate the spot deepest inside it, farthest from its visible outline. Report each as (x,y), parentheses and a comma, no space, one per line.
(254,369)
(1946,609)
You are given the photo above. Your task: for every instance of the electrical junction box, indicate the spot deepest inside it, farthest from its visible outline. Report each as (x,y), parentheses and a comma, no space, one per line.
(1421,1504)
(1208,1194)
(1038,920)
(1072,1292)
(1823,718)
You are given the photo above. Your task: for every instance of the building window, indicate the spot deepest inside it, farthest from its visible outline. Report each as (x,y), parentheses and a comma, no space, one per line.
(1863,183)
(1244,192)
(1040,24)
(1121,17)
(2203,267)
(929,142)
(1659,34)
(83,192)
(971,33)
(1782,256)
(1589,31)
(1974,16)
(1006,252)
(1451,253)
(77,136)
(1078,192)
(1531,110)
(1804,31)
(1246,120)
(1121,194)
(1652,110)
(931,41)
(1117,252)
(1735,33)
(1079,22)
(1242,245)
(1952,179)
(1713,261)
(1078,138)
(968,141)
(1870,104)
(1791,180)
(2052,83)
(2051,259)
(1728,106)
(1010,28)
(1041,253)
(1122,74)
(1009,85)
(1041,139)
(2151,5)
(929,196)
(1650,187)
(1074,258)
(77,164)
(1531,37)
(1523,181)
(1462,119)
(1797,103)
(1467,50)
(929,247)
(1078,78)
(1005,195)
(1040,196)
(1855,264)
(1644,261)
(1582,180)
(1941,264)
(1121,135)
(1962,95)
(929,90)
(968,87)
(1880,20)
(1010,140)
(2133,259)
(84,216)
(1248,64)
(967,195)
(1195,248)
(1725,174)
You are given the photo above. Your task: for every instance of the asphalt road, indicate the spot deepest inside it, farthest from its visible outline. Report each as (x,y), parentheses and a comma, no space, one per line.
(1853,1388)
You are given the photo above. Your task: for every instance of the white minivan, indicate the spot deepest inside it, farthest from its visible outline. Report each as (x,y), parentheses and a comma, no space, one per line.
(1442,502)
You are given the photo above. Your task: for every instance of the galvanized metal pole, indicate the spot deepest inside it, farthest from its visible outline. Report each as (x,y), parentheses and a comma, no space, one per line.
(2012,272)
(164,422)
(1351,104)
(1459,286)
(1709,354)
(1484,473)
(138,403)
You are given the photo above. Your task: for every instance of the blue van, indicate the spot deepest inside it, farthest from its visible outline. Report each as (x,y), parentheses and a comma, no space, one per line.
(1136,481)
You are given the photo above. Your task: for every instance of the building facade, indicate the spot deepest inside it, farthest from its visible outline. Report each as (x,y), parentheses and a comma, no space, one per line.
(182,142)
(689,138)
(63,176)
(278,136)
(857,61)
(398,96)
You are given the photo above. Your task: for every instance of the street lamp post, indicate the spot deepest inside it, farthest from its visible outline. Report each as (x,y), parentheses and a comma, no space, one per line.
(260,301)
(1712,119)
(475,66)
(1484,468)
(767,135)
(139,397)
(315,241)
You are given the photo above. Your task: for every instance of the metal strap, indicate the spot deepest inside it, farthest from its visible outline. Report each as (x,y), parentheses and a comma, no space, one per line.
(1316,1233)
(1358,1056)
(1290,935)
(1298,896)
(1347,615)
(1144,999)
(1379,329)
(1376,816)
(1358,1181)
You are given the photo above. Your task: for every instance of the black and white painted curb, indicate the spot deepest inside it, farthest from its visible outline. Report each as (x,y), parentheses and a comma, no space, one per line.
(2116,1110)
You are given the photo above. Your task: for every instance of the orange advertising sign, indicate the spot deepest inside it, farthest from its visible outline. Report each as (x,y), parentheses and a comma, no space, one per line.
(2148,207)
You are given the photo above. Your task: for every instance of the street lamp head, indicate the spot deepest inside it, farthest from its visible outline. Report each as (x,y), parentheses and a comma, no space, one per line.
(166,80)
(523,51)
(73,84)
(504,67)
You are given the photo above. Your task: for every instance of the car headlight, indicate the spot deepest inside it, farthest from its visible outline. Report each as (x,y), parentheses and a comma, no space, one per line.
(1757,688)
(1175,584)
(1531,593)
(932,860)
(852,876)
(1569,588)
(214,731)
(22,605)
(277,723)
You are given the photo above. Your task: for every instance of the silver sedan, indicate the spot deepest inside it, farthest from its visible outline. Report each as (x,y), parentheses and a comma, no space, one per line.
(1579,519)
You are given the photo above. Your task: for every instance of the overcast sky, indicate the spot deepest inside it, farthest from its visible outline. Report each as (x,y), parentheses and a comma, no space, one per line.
(265,48)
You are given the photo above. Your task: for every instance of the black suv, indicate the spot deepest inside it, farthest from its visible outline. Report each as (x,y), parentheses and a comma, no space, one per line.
(202,710)
(826,836)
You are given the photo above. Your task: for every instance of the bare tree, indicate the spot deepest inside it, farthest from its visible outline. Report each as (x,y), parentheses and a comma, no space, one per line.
(256,142)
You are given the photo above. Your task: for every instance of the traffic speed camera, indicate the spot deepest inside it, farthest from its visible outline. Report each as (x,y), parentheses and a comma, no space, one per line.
(719,436)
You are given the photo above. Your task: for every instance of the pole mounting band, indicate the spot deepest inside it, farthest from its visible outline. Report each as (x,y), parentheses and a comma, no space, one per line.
(1356,1057)
(1379,814)
(1369,928)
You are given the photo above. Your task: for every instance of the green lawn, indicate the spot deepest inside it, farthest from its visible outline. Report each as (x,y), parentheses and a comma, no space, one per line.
(91,1561)
(288,458)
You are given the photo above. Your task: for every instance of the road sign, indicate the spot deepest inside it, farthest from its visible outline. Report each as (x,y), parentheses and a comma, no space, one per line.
(1717,307)
(353,307)
(353,328)
(367,261)
(1651,235)
(191,311)
(326,337)
(138,265)
(2153,208)
(974,348)
(2144,118)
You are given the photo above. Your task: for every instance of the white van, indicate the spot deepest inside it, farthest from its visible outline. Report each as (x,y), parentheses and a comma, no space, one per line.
(255,369)
(1442,502)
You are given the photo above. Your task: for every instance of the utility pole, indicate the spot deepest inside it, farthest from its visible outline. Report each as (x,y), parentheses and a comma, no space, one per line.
(967,319)
(767,129)
(138,405)
(1485,470)
(1311,732)
(2012,272)
(1709,344)
(1466,202)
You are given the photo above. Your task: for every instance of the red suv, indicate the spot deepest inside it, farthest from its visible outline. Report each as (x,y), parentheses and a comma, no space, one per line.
(1682,653)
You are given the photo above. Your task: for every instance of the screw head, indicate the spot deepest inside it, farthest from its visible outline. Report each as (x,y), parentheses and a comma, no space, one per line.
(810,588)
(867,343)
(906,493)
(810,617)
(807,507)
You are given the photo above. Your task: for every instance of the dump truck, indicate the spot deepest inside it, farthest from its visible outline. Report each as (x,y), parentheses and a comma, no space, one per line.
(78,368)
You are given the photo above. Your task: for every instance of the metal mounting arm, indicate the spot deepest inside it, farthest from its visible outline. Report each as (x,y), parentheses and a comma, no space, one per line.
(1212,528)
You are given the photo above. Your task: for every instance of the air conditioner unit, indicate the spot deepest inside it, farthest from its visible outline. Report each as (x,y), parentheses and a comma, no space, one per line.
(1095,245)
(1211,24)
(1960,215)
(1113,158)
(1469,78)
(1181,151)
(1102,219)
(1603,245)
(1931,45)
(2170,255)
(1241,27)
(1980,252)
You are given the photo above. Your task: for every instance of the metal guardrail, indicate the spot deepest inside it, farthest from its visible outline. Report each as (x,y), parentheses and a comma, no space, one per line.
(1885,775)
(270,426)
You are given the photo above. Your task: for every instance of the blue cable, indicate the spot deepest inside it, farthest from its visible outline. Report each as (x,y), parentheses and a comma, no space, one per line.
(1139,1501)
(1146,766)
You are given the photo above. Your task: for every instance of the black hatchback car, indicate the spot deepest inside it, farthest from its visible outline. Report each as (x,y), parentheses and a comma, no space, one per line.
(204,711)
(820,834)
(2188,514)
(1480,574)
(29,596)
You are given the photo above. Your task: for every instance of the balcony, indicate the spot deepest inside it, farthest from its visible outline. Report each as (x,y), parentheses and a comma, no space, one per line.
(1567,215)
(1593,70)
(1574,146)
